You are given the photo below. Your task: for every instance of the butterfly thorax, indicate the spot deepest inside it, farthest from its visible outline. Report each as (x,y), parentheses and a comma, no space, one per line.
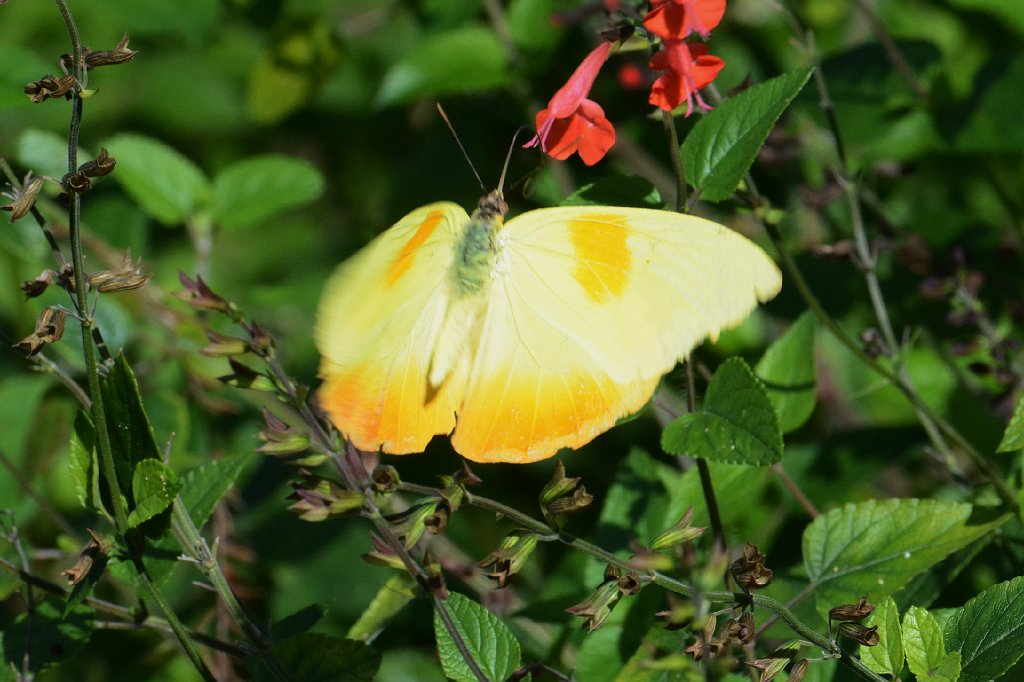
(475,248)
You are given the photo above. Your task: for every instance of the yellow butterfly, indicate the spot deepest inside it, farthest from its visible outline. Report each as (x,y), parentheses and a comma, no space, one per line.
(524,337)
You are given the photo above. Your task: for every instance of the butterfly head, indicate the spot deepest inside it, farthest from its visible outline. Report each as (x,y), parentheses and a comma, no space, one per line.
(491,208)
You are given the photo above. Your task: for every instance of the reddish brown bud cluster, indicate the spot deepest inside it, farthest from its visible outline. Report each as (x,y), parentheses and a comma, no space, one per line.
(749,570)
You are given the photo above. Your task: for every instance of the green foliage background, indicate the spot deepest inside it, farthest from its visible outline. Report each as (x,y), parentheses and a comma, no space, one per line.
(348,87)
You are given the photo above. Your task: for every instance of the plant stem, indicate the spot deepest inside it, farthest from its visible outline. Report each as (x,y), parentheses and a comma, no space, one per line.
(192,541)
(99,417)
(126,614)
(321,441)
(544,532)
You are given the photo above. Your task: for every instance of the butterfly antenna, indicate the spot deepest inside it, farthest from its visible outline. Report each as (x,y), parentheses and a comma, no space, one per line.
(508,159)
(448,123)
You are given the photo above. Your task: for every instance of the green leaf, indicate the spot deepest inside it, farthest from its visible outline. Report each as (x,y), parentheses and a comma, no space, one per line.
(1013,437)
(875,547)
(165,184)
(737,423)
(47,634)
(719,150)
(46,152)
(298,623)
(1006,11)
(988,631)
(989,120)
(787,370)
(635,505)
(392,596)
(491,644)
(599,658)
(21,397)
(618,190)
(315,657)
(926,655)
(530,25)
(82,462)
(154,486)
(131,437)
(256,188)
(467,59)
(202,487)
(886,657)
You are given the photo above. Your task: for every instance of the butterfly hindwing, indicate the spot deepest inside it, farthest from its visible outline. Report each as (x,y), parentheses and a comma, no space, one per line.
(379,321)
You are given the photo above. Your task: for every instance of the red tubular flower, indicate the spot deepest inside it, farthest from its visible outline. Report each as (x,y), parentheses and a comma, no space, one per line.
(687,67)
(676,19)
(572,123)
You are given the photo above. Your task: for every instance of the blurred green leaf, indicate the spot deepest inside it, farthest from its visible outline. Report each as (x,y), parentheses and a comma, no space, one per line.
(20,67)
(298,623)
(20,396)
(82,461)
(46,635)
(599,658)
(190,20)
(466,59)
(256,188)
(154,486)
(391,597)
(886,657)
(1013,437)
(719,150)
(1006,11)
(787,370)
(990,121)
(530,25)
(926,655)
(988,631)
(46,152)
(617,190)
(276,90)
(736,424)
(315,657)
(493,647)
(875,547)
(165,184)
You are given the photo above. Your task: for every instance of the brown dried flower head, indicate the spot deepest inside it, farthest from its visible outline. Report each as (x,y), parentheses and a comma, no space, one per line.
(23,198)
(749,570)
(859,633)
(102,165)
(705,645)
(49,329)
(49,87)
(119,55)
(126,277)
(856,612)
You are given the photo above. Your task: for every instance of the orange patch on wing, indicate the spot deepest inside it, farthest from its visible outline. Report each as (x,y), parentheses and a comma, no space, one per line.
(389,410)
(603,256)
(408,253)
(523,417)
